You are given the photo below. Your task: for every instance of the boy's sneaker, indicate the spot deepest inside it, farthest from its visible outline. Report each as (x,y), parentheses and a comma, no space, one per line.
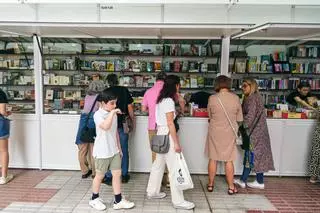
(239,183)
(4,180)
(123,204)
(255,185)
(160,195)
(97,204)
(184,205)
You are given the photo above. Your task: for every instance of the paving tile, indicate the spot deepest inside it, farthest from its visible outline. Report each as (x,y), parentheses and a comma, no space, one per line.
(65,191)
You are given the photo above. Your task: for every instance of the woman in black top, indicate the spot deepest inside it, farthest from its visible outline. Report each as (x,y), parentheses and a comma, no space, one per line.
(4,136)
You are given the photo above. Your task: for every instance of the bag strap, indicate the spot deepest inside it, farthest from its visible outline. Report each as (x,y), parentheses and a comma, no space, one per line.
(225,112)
(93,105)
(256,123)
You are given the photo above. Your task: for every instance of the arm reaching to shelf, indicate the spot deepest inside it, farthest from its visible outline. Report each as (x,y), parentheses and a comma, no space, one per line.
(303,103)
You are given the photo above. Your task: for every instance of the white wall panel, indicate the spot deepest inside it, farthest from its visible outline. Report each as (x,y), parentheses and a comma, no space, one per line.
(305,2)
(24,145)
(59,150)
(130,13)
(68,13)
(265,2)
(17,12)
(195,14)
(296,147)
(259,14)
(307,14)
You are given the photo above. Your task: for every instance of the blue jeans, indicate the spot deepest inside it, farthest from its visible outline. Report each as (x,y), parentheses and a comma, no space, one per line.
(125,151)
(246,173)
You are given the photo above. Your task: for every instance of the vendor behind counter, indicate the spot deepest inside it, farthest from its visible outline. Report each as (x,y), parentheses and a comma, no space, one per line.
(301,97)
(200,98)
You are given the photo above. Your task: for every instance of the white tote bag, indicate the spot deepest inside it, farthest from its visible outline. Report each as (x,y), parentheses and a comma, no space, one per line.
(182,177)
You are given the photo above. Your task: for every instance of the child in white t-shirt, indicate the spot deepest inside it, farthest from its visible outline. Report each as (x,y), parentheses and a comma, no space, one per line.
(107,152)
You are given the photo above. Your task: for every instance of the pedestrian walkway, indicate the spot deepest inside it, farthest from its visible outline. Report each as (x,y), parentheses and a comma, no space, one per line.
(65,191)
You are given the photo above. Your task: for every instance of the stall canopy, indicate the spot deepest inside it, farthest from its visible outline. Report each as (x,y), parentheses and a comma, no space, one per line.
(103,30)
(304,33)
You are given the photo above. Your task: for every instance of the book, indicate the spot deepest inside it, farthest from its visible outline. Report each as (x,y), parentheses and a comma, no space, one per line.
(98,65)
(110,66)
(49,94)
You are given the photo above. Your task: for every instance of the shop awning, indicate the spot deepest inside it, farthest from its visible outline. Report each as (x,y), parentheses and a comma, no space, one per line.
(105,30)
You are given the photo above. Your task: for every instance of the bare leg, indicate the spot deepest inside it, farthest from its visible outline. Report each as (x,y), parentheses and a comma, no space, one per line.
(96,183)
(116,181)
(212,170)
(4,153)
(229,174)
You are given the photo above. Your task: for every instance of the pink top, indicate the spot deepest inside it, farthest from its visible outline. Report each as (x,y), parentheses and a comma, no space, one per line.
(150,100)
(88,101)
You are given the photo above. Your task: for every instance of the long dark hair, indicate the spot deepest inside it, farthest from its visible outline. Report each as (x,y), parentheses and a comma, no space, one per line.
(169,89)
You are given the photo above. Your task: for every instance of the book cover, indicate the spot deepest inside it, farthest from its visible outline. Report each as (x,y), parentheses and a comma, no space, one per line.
(110,66)
(193,81)
(98,65)
(49,94)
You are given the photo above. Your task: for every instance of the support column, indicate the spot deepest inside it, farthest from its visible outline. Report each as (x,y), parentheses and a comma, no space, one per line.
(225,48)
(38,85)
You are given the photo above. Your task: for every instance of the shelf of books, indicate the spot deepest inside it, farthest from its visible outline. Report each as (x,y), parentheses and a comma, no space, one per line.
(278,70)
(17,77)
(69,68)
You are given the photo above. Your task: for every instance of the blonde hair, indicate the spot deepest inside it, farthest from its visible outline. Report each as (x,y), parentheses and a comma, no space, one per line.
(253,85)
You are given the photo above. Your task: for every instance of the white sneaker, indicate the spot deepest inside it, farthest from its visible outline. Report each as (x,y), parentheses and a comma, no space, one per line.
(255,185)
(123,204)
(184,205)
(4,180)
(239,183)
(97,204)
(160,195)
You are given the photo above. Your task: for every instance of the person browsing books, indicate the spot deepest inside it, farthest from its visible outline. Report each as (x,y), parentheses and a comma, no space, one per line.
(299,97)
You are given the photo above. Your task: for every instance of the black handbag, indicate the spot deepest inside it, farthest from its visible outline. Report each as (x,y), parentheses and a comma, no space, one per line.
(245,136)
(88,134)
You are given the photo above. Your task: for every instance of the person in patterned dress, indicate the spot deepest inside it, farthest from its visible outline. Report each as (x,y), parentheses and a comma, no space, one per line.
(314,160)
(259,157)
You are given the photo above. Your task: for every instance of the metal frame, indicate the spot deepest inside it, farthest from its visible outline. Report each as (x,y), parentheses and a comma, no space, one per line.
(279,25)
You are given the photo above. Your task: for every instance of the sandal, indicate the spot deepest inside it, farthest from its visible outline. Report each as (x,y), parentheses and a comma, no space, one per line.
(210,188)
(232,191)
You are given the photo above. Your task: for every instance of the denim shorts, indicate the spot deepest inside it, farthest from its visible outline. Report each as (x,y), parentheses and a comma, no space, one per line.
(4,128)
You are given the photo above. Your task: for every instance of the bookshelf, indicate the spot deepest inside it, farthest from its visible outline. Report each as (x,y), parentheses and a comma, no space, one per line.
(69,68)
(278,69)
(17,76)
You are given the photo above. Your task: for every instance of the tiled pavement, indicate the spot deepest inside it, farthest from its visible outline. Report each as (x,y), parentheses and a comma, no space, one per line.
(65,191)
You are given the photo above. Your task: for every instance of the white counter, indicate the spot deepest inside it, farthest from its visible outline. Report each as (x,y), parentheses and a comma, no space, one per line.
(290,141)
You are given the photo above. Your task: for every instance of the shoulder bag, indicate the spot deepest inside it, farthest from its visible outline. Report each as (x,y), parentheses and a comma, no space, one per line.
(238,137)
(88,135)
(160,144)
